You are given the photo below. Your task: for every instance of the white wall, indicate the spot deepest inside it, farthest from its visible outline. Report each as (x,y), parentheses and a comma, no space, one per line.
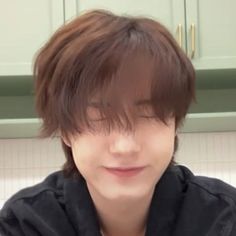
(24,162)
(210,154)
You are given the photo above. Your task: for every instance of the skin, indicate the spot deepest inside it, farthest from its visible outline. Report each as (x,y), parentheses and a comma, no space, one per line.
(150,146)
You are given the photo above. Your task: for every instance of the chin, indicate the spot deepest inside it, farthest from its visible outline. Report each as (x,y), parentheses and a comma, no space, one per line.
(125,193)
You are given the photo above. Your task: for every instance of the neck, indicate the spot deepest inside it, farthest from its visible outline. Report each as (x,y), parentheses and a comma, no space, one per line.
(126,217)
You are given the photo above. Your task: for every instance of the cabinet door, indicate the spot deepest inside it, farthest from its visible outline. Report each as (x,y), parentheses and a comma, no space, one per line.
(168,12)
(25,25)
(215,33)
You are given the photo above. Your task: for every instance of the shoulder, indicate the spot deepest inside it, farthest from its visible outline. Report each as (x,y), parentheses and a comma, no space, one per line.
(51,185)
(27,210)
(209,185)
(212,201)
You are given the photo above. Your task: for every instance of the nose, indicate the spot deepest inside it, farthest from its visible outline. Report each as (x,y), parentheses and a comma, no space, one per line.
(124,144)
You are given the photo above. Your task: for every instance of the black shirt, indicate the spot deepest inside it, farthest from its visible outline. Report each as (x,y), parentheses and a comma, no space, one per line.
(182,205)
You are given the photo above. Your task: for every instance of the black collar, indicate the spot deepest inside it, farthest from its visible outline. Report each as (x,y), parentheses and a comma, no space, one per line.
(163,211)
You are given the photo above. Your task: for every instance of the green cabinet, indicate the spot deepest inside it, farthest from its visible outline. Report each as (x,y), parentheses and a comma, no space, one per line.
(211,33)
(206,30)
(25,26)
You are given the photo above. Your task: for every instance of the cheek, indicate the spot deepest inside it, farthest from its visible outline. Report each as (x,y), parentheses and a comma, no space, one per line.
(160,143)
(81,155)
(86,150)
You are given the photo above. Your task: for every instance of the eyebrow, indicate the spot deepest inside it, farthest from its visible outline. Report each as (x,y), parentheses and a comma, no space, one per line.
(137,103)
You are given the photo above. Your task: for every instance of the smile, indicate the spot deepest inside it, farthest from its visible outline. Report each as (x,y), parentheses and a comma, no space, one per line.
(125,172)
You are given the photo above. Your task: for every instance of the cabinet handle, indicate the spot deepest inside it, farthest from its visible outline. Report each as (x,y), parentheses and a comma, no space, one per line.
(180,30)
(193,49)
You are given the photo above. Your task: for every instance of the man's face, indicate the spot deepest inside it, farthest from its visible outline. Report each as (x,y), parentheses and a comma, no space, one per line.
(105,159)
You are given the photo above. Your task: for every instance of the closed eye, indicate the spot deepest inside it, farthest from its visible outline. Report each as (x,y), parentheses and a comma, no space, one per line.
(149,117)
(141,116)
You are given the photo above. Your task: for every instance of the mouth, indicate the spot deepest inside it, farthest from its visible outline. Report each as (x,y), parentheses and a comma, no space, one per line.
(125,172)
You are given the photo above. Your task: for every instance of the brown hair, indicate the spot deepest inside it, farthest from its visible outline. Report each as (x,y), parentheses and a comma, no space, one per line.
(114,58)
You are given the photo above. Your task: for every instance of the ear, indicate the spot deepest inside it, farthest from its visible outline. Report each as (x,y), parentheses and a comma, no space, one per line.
(67,143)
(66,140)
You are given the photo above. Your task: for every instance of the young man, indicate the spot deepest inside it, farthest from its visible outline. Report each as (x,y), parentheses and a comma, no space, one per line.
(116,89)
